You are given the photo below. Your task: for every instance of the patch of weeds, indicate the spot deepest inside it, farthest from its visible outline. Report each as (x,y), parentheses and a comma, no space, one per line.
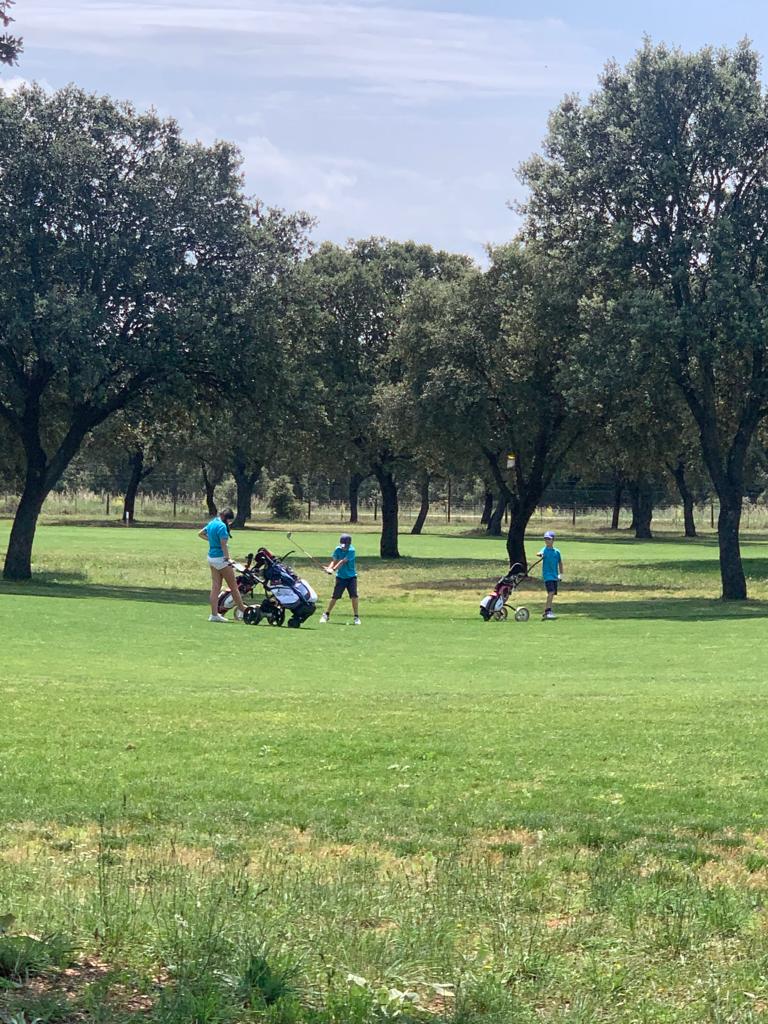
(228,850)
(688,854)
(264,983)
(755,862)
(486,999)
(608,876)
(508,849)
(592,838)
(200,998)
(726,912)
(46,1008)
(23,956)
(729,842)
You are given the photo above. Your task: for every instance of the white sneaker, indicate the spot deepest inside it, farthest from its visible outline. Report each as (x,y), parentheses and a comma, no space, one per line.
(549,615)
(357,621)
(216,618)
(324,617)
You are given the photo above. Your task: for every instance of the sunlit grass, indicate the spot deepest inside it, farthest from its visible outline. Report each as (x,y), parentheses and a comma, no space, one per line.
(539,821)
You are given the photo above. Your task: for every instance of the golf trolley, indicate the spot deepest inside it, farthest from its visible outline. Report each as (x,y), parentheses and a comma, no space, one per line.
(284,592)
(494,606)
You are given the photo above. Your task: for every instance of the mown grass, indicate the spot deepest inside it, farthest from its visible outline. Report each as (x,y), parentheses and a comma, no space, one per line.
(428,817)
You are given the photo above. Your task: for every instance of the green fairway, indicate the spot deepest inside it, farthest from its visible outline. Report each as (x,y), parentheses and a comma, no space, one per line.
(558,821)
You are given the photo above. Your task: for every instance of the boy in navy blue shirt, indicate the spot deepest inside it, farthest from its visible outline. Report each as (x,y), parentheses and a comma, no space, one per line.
(551,571)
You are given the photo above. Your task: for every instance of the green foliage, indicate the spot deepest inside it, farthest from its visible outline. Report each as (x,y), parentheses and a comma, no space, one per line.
(655,185)
(144,247)
(24,956)
(282,500)
(10,46)
(261,983)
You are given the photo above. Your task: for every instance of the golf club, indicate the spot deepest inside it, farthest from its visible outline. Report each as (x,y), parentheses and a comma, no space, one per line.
(314,561)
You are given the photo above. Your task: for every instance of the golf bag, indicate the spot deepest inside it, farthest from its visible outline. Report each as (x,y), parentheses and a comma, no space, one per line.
(494,606)
(285,594)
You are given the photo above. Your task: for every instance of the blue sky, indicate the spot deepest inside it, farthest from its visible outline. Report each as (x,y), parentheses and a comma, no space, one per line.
(404,118)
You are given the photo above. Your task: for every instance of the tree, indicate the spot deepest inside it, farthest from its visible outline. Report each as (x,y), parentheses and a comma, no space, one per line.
(360,292)
(10,46)
(660,182)
(123,250)
(137,440)
(270,370)
(488,358)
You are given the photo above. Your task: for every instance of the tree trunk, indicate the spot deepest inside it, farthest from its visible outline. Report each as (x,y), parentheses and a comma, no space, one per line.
(389,513)
(421,518)
(485,517)
(136,462)
(494,523)
(642,509)
(516,539)
(298,487)
(18,558)
(678,472)
(245,481)
(731,569)
(618,494)
(210,491)
(355,482)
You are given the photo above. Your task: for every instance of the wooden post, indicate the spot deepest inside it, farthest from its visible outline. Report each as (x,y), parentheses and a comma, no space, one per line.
(375,509)
(107,503)
(449,501)
(712,512)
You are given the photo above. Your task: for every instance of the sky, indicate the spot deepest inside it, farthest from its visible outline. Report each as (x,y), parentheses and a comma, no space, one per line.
(401,118)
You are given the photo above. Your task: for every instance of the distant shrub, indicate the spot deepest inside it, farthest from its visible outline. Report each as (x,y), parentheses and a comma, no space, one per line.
(281,500)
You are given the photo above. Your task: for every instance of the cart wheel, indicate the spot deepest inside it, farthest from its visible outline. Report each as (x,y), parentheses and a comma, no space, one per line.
(277,617)
(252,616)
(501,614)
(522,615)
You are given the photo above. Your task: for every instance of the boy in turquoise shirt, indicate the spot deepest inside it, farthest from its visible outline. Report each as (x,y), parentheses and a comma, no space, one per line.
(343,564)
(551,571)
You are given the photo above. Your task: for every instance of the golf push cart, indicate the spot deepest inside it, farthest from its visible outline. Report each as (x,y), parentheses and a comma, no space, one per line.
(494,606)
(286,595)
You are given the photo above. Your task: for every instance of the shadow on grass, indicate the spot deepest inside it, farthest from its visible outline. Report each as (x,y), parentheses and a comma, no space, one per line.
(678,609)
(533,585)
(60,587)
(754,568)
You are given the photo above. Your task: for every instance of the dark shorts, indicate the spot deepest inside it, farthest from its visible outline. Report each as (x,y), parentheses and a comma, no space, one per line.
(551,586)
(350,585)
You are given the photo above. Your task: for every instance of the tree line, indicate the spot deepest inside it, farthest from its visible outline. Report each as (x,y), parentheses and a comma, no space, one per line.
(147,304)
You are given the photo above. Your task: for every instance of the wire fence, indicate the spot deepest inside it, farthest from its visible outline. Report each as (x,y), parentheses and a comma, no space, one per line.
(152,506)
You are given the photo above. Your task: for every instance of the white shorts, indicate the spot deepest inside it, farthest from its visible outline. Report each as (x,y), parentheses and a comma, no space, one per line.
(218,563)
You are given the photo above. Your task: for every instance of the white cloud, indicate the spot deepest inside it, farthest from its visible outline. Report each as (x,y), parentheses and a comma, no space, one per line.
(415,54)
(12,85)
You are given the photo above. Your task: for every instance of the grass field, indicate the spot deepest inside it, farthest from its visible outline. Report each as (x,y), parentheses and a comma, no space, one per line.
(426,818)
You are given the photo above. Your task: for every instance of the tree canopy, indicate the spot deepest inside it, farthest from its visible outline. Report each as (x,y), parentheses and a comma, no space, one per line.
(660,182)
(123,249)
(11,46)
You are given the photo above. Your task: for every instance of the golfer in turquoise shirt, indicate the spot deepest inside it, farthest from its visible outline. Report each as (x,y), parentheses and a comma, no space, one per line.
(551,571)
(343,564)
